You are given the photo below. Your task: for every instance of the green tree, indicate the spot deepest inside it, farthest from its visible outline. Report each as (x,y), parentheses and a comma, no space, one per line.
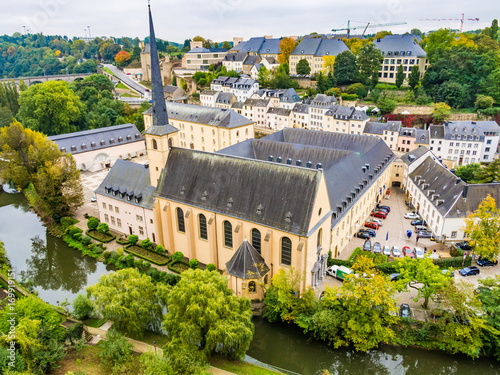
(490,298)
(116,353)
(441,112)
(131,300)
(51,108)
(416,32)
(483,228)
(92,223)
(452,93)
(146,243)
(303,67)
(483,102)
(263,76)
(321,84)
(103,228)
(205,317)
(174,80)
(400,76)
(386,103)
(226,45)
(82,307)
(488,174)
(369,61)
(422,275)
(468,172)
(414,77)
(132,239)
(437,42)
(345,69)
(282,81)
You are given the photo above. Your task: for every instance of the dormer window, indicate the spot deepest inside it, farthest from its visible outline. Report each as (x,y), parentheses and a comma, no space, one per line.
(111,141)
(103,142)
(73,148)
(84,146)
(138,198)
(137,136)
(120,139)
(92,144)
(129,137)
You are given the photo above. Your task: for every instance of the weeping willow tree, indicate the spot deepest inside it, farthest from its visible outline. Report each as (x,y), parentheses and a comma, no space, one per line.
(205,317)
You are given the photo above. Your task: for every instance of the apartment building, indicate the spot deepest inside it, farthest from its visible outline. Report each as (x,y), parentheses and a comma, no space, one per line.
(343,119)
(312,49)
(279,118)
(388,132)
(318,108)
(244,88)
(201,58)
(255,110)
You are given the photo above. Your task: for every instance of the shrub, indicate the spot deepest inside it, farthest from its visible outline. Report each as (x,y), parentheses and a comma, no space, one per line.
(98,250)
(106,254)
(354,254)
(177,256)
(455,262)
(116,352)
(334,91)
(74,230)
(103,228)
(138,264)
(211,267)
(193,264)
(146,266)
(119,251)
(67,222)
(82,307)
(349,97)
(77,236)
(130,260)
(114,255)
(339,262)
(93,223)
(132,239)
(86,240)
(172,279)
(160,249)
(387,268)
(146,243)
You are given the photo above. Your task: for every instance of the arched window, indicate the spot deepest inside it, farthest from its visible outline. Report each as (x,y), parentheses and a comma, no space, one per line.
(170,143)
(320,236)
(180,220)
(252,287)
(155,145)
(256,240)
(286,251)
(228,234)
(203,226)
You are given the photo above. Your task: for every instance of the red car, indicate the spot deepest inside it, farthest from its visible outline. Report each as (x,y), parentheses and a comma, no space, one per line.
(407,252)
(380,214)
(372,225)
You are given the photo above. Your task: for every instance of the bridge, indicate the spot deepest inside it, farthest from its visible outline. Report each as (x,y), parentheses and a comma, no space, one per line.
(33,80)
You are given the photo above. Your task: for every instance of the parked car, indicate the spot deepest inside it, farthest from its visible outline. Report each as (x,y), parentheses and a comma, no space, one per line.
(419,253)
(367,246)
(394,276)
(418,222)
(384,207)
(371,232)
(372,225)
(364,235)
(419,228)
(424,234)
(378,221)
(386,250)
(407,252)
(469,271)
(377,248)
(448,273)
(93,199)
(380,214)
(483,262)
(464,245)
(395,251)
(405,311)
(411,215)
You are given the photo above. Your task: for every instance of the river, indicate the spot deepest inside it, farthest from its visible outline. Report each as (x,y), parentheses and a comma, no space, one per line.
(60,272)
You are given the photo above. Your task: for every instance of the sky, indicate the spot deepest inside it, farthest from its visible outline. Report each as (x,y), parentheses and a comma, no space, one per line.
(221,20)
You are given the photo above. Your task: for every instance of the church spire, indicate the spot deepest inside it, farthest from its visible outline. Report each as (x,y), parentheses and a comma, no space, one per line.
(160,116)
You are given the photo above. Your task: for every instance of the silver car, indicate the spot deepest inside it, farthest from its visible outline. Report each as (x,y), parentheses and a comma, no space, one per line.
(386,250)
(395,251)
(376,247)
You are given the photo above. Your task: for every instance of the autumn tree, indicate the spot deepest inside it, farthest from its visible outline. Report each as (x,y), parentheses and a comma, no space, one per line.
(422,275)
(400,76)
(287,45)
(51,108)
(205,317)
(122,58)
(130,300)
(328,63)
(441,112)
(483,229)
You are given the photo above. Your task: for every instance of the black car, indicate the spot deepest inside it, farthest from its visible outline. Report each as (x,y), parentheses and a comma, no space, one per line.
(379,207)
(367,246)
(486,262)
(469,271)
(383,209)
(424,234)
(418,222)
(405,311)
(464,246)
(371,232)
(364,235)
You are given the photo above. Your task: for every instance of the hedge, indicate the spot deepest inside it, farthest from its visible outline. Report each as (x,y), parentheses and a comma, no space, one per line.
(455,262)
(354,254)
(339,262)
(386,268)
(122,241)
(149,255)
(180,262)
(99,236)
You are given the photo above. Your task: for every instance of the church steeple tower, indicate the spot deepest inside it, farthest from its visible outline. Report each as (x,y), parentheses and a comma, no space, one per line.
(160,135)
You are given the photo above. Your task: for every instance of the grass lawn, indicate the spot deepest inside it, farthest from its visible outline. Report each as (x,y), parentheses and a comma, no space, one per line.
(146,83)
(129,96)
(150,337)
(120,85)
(179,266)
(94,322)
(108,71)
(240,367)
(148,255)
(103,237)
(88,362)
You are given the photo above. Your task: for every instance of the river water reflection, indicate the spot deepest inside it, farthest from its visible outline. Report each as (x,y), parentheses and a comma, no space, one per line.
(56,270)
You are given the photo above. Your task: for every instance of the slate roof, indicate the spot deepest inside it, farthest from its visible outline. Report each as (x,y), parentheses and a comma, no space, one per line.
(239,56)
(259,45)
(271,60)
(95,139)
(320,47)
(131,178)
(205,115)
(224,98)
(209,92)
(342,157)
(251,60)
(379,128)
(256,102)
(267,193)
(422,136)
(475,195)
(399,43)
(279,111)
(436,131)
(344,113)
(206,50)
(247,263)
(301,108)
(413,156)
(171,89)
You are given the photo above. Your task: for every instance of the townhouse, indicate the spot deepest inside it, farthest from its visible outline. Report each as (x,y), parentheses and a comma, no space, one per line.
(313,48)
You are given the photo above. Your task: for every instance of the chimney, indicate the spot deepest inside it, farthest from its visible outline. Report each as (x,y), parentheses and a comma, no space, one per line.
(237,40)
(268,36)
(197,44)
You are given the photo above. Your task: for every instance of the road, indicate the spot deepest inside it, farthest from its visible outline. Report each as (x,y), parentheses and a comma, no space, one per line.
(126,79)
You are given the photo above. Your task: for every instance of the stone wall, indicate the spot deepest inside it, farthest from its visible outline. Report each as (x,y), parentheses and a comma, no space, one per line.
(414,109)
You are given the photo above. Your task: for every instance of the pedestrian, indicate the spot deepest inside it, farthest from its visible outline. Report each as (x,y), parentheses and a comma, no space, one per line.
(425,250)
(416,239)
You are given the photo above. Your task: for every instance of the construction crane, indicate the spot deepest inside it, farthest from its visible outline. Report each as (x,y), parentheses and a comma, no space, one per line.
(462,20)
(368,26)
